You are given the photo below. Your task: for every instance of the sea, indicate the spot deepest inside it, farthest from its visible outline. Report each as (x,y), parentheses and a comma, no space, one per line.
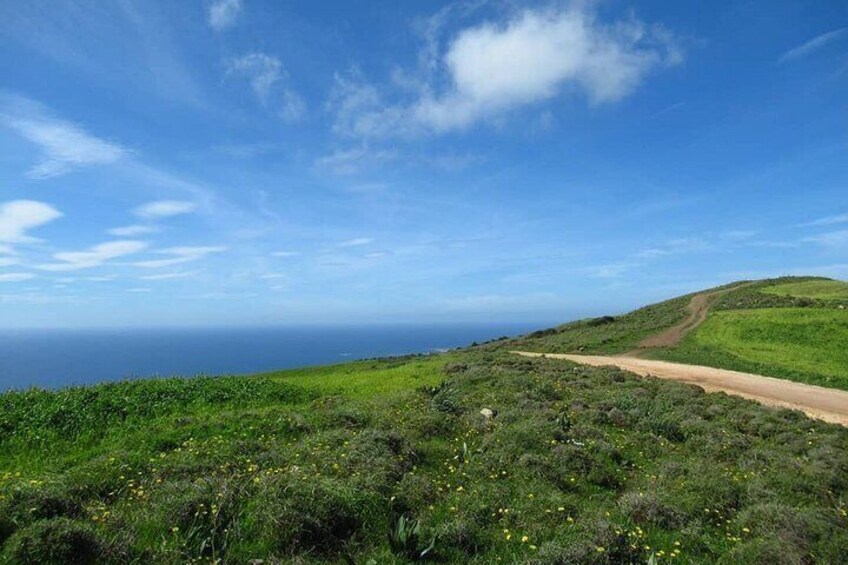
(58,358)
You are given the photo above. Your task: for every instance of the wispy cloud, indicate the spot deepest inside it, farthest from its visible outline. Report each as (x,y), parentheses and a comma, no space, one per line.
(65,146)
(673,247)
(16,277)
(133,230)
(813,45)
(164,209)
(496,67)
(835,239)
(94,256)
(266,76)
(827,221)
(285,253)
(350,161)
(223,13)
(356,242)
(19,216)
(178,256)
(168,276)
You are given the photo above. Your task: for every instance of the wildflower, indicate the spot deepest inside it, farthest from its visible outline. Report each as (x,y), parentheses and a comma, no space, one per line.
(600,549)
(524,539)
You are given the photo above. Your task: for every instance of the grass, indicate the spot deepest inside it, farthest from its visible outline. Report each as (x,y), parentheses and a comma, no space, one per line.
(822,289)
(790,327)
(383,461)
(607,334)
(802,344)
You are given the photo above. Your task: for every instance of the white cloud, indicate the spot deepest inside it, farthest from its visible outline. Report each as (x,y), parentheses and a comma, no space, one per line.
(223,13)
(285,253)
(673,247)
(178,256)
(94,256)
(494,68)
(356,242)
(350,161)
(65,146)
(827,221)
(16,277)
(265,74)
(138,289)
(816,43)
(168,276)
(835,239)
(164,209)
(19,216)
(133,230)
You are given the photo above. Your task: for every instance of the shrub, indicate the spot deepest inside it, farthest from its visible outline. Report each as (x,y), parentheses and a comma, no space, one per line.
(648,509)
(59,541)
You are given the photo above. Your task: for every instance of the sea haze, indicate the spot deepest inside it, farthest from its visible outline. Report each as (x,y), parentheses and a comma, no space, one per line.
(56,358)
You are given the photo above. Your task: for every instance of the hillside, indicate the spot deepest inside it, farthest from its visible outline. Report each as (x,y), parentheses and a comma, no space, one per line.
(794,328)
(392,461)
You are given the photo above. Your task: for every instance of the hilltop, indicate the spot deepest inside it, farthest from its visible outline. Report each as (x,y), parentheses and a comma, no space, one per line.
(474,456)
(792,327)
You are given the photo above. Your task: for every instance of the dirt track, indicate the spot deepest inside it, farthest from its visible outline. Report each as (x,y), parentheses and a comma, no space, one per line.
(818,402)
(822,403)
(698,308)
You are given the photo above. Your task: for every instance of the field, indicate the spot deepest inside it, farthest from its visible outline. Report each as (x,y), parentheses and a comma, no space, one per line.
(383,461)
(793,327)
(822,289)
(475,456)
(803,344)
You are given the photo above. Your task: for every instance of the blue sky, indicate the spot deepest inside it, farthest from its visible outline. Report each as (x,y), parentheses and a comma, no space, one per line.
(267,162)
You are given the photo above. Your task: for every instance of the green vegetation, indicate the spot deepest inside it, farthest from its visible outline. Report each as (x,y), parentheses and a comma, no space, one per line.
(395,460)
(802,344)
(392,461)
(606,334)
(824,289)
(792,327)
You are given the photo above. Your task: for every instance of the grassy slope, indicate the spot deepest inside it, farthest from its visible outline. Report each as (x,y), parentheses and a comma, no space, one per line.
(607,334)
(802,344)
(823,289)
(775,328)
(790,327)
(580,465)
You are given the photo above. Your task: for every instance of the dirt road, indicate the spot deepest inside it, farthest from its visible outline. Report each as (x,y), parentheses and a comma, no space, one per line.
(698,308)
(817,402)
(822,403)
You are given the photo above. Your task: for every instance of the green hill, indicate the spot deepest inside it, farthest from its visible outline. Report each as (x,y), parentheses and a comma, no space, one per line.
(794,328)
(392,461)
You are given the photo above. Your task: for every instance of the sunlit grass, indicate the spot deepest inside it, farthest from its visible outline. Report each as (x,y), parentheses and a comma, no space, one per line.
(822,289)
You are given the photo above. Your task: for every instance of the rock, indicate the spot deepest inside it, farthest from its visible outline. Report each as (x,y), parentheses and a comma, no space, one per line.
(487,413)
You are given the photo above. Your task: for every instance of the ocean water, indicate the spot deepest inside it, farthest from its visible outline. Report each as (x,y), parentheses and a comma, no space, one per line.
(56,358)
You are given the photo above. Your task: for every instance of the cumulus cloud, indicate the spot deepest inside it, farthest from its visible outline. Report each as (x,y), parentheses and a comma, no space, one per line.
(178,256)
(495,67)
(816,43)
(19,216)
(93,256)
(65,146)
(164,209)
(266,75)
(223,13)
